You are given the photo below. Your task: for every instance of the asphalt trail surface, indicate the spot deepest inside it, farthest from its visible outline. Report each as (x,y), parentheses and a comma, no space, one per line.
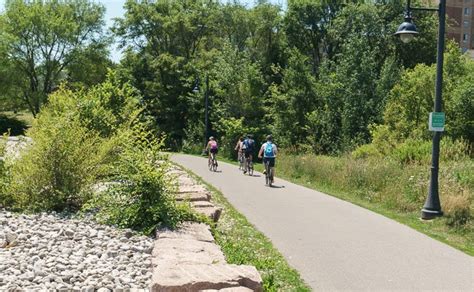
(335,245)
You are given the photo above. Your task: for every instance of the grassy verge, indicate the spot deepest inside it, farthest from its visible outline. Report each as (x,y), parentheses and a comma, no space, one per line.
(243,244)
(395,191)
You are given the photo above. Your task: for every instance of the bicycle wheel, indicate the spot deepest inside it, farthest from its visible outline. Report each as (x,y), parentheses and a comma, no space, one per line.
(214,165)
(267,174)
(210,162)
(251,169)
(271,176)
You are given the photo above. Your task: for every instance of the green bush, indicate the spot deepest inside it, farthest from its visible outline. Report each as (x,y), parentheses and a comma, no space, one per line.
(86,139)
(139,196)
(57,170)
(232,130)
(366,151)
(412,151)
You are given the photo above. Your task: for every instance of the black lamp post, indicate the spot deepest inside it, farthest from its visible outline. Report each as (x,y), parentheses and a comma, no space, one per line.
(206,110)
(407,31)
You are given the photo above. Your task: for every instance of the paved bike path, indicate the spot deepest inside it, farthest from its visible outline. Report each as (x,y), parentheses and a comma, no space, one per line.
(335,245)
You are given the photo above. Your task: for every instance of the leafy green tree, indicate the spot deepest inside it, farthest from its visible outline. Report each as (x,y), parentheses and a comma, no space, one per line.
(306,27)
(266,44)
(293,99)
(163,39)
(43,38)
(412,99)
(237,85)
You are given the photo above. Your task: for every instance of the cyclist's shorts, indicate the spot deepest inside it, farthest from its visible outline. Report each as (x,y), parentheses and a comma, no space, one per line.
(247,154)
(271,161)
(214,150)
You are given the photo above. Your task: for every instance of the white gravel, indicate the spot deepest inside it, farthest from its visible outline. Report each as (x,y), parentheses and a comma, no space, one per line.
(49,252)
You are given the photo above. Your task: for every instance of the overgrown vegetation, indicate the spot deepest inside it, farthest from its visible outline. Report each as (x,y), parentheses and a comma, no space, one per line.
(91,139)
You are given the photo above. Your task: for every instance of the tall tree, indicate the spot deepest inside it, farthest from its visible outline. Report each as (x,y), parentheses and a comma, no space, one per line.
(42,36)
(168,43)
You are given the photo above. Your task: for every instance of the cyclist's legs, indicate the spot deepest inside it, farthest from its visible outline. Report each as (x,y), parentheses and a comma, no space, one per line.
(247,160)
(213,155)
(271,164)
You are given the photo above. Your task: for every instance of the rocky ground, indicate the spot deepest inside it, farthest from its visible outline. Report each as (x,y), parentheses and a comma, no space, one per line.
(50,252)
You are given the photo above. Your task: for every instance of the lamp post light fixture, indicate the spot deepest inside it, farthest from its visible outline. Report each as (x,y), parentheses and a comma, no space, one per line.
(206,110)
(407,31)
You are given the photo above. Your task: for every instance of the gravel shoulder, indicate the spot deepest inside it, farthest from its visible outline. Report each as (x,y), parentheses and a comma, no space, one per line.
(46,251)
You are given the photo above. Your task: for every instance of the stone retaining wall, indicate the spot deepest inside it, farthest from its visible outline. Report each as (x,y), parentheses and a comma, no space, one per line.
(188,259)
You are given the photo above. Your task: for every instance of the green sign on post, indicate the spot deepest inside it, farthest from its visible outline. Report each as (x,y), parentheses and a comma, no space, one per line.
(436,123)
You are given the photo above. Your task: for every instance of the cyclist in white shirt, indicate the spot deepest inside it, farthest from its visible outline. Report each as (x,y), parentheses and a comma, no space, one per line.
(268,151)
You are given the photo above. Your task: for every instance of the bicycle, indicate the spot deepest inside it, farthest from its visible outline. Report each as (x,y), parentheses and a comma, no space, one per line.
(249,167)
(268,174)
(241,161)
(212,163)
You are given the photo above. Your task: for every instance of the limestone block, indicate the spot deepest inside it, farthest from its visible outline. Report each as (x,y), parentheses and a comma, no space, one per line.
(192,189)
(203,196)
(198,277)
(188,230)
(202,204)
(233,289)
(171,251)
(213,213)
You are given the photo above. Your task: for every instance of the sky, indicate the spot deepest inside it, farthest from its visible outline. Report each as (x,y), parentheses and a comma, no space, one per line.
(114,9)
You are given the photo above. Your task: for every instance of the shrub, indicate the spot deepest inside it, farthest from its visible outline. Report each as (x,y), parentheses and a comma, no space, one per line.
(56,171)
(366,151)
(412,151)
(140,195)
(87,138)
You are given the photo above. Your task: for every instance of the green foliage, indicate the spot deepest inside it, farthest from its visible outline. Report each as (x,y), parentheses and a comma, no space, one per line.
(315,75)
(41,40)
(232,129)
(366,151)
(412,151)
(138,193)
(292,100)
(57,171)
(412,99)
(88,139)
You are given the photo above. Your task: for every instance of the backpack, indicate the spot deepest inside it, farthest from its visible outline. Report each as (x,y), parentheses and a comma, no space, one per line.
(268,151)
(248,144)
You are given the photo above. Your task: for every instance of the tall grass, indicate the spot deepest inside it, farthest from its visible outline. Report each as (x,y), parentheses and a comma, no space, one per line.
(384,184)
